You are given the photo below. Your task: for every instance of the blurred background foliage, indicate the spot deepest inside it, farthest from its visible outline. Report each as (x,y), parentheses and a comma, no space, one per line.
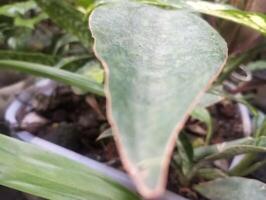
(61,41)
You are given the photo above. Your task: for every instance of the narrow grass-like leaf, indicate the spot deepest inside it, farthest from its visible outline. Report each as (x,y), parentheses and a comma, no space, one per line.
(29,57)
(253,20)
(185,153)
(30,169)
(152,58)
(233,188)
(203,115)
(202,152)
(229,149)
(64,76)
(211,173)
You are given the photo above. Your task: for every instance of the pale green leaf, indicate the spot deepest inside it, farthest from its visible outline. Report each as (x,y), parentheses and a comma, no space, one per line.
(185,154)
(93,70)
(229,149)
(158,63)
(258,65)
(253,20)
(63,41)
(36,171)
(211,173)
(233,188)
(73,79)
(203,115)
(210,99)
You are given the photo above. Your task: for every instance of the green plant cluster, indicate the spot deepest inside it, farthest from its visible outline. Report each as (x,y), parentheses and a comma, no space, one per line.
(163,63)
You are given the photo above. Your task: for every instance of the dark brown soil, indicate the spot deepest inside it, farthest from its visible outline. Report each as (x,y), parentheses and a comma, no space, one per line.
(69,120)
(227,122)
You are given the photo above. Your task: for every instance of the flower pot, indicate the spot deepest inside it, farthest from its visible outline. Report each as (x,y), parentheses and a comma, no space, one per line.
(10,84)
(18,106)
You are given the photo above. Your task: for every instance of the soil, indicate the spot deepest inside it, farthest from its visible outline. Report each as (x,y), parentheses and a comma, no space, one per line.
(227,122)
(75,122)
(72,121)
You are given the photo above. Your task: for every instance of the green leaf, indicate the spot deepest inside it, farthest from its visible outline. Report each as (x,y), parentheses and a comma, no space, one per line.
(63,41)
(68,18)
(72,63)
(93,70)
(185,153)
(258,65)
(203,115)
(16,9)
(253,20)
(233,188)
(229,149)
(249,168)
(85,3)
(158,63)
(210,173)
(30,23)
(206,151)
(261,130)
(29,57)
(210,99)
(30,169)
(73,79)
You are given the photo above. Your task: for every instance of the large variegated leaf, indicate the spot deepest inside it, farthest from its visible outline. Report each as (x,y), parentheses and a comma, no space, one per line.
(158,63)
